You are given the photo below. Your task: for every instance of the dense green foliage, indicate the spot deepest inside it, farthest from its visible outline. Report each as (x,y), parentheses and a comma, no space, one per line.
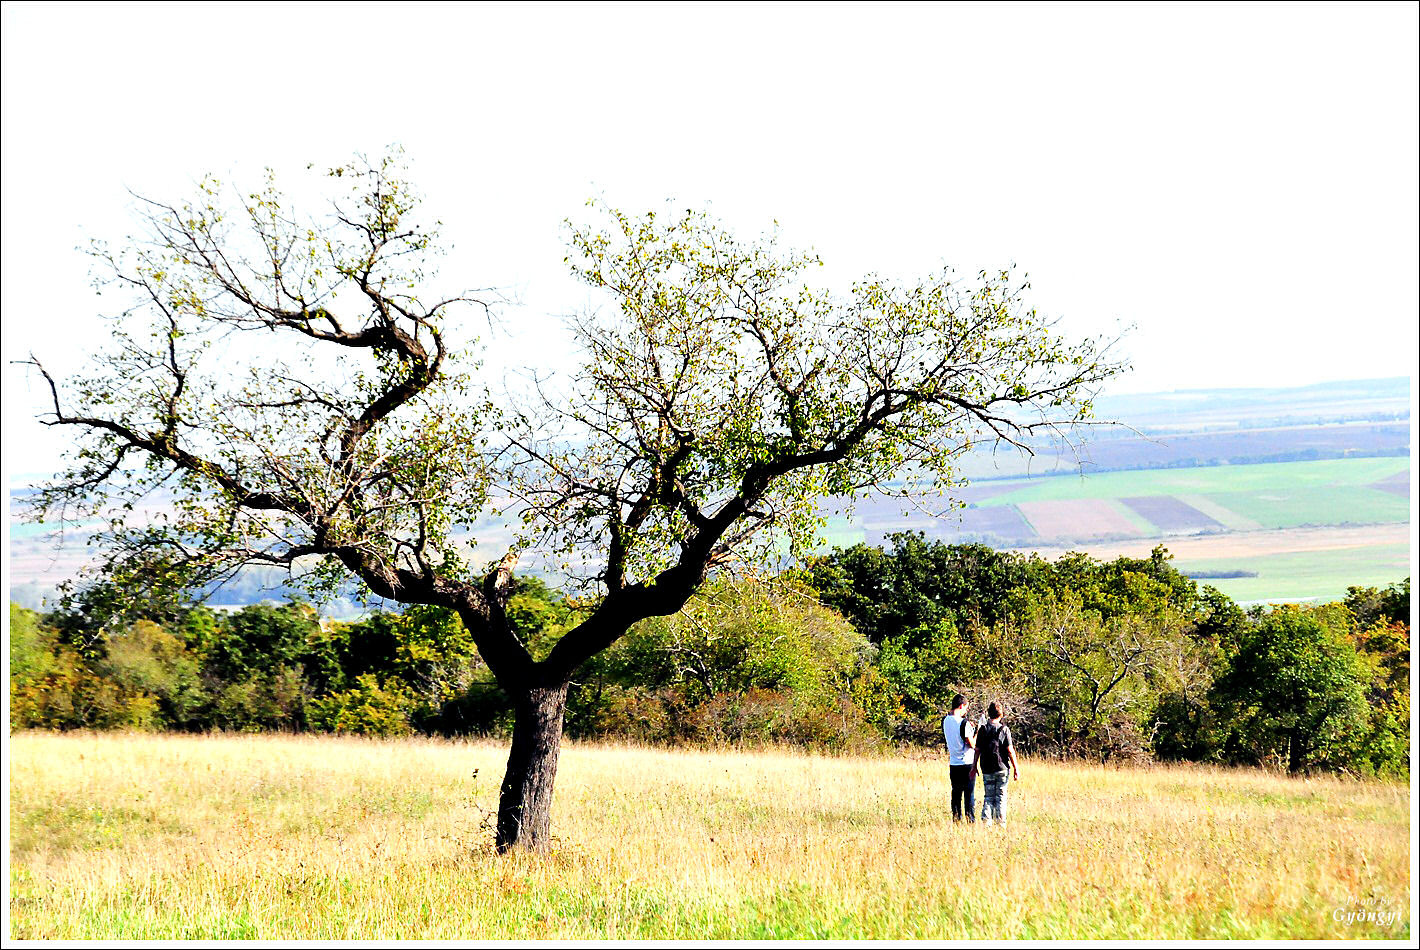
(262,667)
(1113,660)
(742,662)
(1130,658)
(1294,689)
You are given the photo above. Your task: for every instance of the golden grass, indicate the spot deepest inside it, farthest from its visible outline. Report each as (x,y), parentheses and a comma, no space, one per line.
(148,837)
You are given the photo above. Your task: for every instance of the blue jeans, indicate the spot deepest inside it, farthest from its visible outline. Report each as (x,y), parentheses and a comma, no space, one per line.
(993,786)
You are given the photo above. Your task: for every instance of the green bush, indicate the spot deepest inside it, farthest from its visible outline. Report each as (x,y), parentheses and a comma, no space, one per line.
(145,660)
(367,709)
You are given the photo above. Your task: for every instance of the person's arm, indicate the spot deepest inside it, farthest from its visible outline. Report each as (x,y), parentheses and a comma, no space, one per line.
(1011,752)
(969,740)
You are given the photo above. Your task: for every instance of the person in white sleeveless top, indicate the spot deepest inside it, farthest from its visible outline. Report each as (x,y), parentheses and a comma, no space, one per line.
(961,747)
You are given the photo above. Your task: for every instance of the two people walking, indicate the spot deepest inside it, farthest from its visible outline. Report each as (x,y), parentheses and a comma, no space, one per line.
(986,748)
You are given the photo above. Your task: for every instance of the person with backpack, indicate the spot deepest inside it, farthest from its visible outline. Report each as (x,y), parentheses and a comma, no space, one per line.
(961,748)
(996,760)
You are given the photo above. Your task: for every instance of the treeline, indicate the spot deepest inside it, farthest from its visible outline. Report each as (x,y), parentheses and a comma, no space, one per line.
(1119,660)
(1130,658)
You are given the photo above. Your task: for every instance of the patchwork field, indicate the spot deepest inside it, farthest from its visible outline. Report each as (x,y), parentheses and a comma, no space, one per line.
(267,837)
(1088,512)
(1155,503)
(1171,514)
(1264,519)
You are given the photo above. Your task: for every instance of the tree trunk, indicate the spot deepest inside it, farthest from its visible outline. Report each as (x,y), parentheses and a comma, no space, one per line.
(1296,752)
(525,804)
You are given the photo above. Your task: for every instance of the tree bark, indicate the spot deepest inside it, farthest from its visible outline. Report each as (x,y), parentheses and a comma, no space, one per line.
(1296,752)
(525,803)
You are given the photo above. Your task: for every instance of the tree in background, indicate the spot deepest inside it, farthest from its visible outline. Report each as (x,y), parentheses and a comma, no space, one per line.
(1294,691)
(742,661)
(1381,636)
(919,583)
(1095,680)
(720,396)
(1373,605)
(923,602)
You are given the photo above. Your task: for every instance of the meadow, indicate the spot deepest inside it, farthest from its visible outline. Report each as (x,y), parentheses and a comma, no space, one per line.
(150,837)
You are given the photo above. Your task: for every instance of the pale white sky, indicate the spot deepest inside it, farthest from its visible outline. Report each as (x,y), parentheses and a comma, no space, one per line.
(1240,183)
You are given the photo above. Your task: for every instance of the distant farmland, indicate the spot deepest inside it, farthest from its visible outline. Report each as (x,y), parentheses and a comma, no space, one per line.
(1160,503)
(1232,447)
(1200,472)
(1305,529)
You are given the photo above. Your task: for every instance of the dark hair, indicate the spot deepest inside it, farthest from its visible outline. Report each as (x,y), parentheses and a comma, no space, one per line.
(958,701)
(994,711)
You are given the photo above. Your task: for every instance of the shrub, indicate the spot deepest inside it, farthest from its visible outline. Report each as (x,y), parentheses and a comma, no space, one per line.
(147,661)
(367,709)
(641,716)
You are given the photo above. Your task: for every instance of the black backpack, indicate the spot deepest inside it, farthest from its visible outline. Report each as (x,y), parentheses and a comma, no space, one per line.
(992,741)
(962,727)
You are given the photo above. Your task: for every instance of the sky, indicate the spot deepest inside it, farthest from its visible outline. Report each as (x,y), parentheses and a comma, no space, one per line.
(1233,188)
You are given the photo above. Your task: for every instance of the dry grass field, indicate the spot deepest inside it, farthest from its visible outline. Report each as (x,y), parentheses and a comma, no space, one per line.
(161,837)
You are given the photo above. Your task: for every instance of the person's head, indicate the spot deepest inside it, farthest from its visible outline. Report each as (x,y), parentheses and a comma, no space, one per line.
(994,711)
(958,703)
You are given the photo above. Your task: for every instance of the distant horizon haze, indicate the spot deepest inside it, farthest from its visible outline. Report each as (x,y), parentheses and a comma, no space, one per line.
(18,480)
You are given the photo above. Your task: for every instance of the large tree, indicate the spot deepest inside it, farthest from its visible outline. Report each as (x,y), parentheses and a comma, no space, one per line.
(295,385)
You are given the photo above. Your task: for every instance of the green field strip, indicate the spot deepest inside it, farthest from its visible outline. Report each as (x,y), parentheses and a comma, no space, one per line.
(1211,480)
(1305,575)
(1291,506)
(1143,525)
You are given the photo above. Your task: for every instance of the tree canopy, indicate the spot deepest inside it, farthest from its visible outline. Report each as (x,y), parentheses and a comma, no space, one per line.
(291,381)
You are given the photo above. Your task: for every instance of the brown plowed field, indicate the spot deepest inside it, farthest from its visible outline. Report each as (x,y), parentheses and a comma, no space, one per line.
(1171,515)
(1397,484)
(1077,518)
(1001,521)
